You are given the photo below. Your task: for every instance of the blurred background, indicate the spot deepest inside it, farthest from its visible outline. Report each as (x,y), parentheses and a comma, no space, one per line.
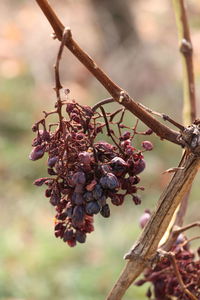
(135,42)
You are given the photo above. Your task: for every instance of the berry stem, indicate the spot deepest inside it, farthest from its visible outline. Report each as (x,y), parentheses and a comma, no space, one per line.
(108,130)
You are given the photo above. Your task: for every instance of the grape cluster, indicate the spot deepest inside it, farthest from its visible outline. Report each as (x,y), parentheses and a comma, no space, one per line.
(85,173)
(164,279)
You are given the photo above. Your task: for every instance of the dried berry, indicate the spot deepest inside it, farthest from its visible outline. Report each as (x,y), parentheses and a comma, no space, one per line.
(84,173)
(85,158)
(52,161)
(144,218)
(139,166)
(78,216)
(92,208)
(80,236)
(79,178)
(105,211)
(109,181)
(147,145)
(136,199)
(37,152)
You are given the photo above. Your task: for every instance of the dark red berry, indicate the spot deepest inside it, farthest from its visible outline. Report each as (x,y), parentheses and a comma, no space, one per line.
(136,199)
(117,199)
(125,136)
(68,235)
(84,158)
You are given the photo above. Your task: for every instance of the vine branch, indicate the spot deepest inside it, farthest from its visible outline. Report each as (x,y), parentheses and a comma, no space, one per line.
(189,99)
(147,244)
(118,94)
(186,49)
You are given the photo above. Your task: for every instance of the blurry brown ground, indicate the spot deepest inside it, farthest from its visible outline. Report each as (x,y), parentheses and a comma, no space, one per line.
(136,44)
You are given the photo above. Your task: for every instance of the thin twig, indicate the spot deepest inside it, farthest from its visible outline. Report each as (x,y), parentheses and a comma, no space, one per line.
(176,230)
(58,86)
(184,228)
(163,116)
(109,131)
(178,275)
(102,102)
(190,240)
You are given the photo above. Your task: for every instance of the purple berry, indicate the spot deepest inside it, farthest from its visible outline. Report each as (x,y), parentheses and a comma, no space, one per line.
(92,208)
(125,136)
(52,161)
(69,211)
(68,235)
(48,193)
(78,199)
(97,192)
(35,127)
(84,157)
(149,131)
(78,216)
(117,199)
(79,178)
(109,181)
(80,236)
(55,197)
(139,166)
(119,166)
(51,171)
(147,145)
(88,196)
(102,200)
(37,152)
(144,218)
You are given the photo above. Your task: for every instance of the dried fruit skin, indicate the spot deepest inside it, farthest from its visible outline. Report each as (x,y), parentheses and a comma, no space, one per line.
(37,152)
(147,145)
(144,219)
(86,175)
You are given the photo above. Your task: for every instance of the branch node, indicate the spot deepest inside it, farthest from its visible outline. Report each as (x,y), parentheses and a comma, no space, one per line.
(186,47)
(123,96)
(67,32)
